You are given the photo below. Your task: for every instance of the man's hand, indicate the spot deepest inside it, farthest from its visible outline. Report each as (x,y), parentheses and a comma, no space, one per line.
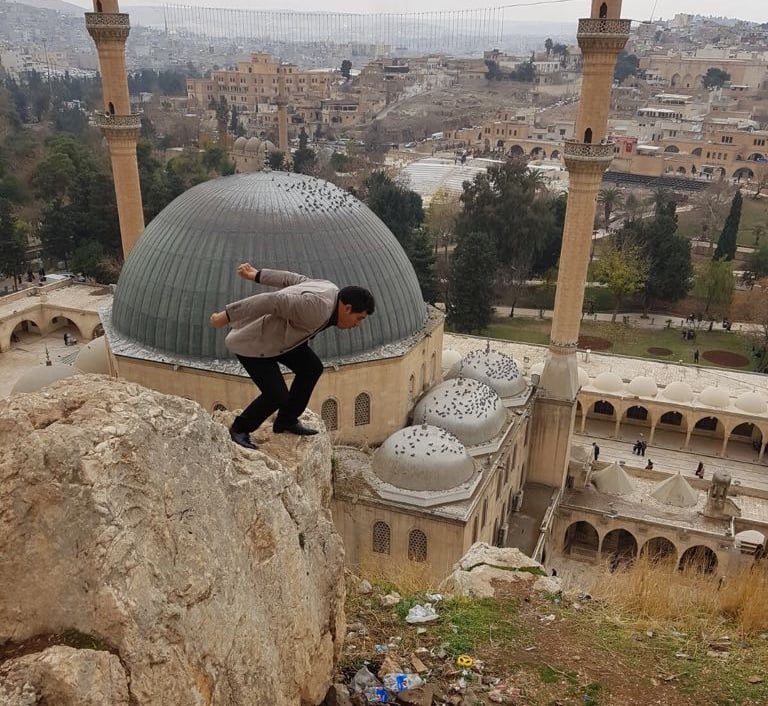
(219,319)
(247,271)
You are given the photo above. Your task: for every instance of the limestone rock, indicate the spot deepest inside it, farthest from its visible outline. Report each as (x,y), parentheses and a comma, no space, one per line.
(66,677)
(483,565)
(214,572)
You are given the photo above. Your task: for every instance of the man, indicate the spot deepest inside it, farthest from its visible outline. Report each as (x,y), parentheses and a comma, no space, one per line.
(276,327)
(595,450)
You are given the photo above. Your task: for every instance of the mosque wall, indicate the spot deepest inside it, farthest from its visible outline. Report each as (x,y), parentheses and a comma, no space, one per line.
(595,537)
(391,386)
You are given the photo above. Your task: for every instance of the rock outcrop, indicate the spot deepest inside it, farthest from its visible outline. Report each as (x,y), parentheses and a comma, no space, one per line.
(484,567)
(209,574)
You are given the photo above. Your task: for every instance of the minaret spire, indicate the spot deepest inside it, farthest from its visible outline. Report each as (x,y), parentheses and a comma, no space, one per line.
(109,29)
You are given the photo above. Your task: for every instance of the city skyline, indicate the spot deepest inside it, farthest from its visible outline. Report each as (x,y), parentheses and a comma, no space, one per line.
(528,11)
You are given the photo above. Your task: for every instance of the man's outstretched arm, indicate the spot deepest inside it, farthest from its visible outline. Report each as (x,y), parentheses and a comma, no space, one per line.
(270,278)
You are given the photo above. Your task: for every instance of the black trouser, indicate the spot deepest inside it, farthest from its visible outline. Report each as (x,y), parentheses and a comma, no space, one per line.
(275,395)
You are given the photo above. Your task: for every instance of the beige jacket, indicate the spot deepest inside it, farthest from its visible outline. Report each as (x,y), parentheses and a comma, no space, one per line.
(270,324)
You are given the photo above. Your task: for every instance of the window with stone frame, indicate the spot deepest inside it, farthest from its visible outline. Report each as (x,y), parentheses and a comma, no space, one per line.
(474,530)
(485,512)
(362,409)
(412,387)
(433,369)
(498,483)
(329,411)
(417,545)
(381,537)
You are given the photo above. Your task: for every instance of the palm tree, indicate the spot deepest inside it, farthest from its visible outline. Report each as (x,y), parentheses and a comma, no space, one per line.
(611,199)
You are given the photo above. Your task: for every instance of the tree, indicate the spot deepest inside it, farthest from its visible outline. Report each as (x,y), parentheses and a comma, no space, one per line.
(525,72)
(726,245)
(470,283)
(712,207)
(626,65)
(757,264)
(346,67)
(12,243)
(400,208)
(276,159)
(548,44)
(234,122)
(303,158)
(715,78)
(423,260)
(713,287)
(610,198)
(624,271)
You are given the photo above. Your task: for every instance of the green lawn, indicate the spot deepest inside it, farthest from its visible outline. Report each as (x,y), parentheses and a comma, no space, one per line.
(629,340)
(753,211)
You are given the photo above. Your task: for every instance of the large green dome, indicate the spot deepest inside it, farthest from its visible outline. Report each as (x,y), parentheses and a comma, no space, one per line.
(184,265)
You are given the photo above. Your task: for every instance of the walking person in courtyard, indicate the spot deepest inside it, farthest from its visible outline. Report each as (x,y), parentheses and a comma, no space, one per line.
(595,451)
(696,356)
(699,470)
(275,327)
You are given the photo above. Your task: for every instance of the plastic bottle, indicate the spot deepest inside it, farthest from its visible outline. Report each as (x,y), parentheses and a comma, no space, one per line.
(400,681)
(377,695)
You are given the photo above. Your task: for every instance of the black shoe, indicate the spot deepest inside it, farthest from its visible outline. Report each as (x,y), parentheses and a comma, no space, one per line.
(296,428)
(242,438)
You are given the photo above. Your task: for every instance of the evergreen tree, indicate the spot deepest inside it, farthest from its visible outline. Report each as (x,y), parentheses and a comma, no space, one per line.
(422,258)
(276,160)
(12,242)
(726,245)
(471,282)
(303,158)
(400,208)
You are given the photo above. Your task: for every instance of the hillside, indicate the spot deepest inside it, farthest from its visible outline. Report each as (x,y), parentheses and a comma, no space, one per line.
(648,636)
(66,8)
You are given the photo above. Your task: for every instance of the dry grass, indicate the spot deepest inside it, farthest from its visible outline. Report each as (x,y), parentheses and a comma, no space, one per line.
(407,579)
(656,592)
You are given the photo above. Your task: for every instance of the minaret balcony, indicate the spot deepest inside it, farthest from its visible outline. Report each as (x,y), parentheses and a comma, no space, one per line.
(108,25)
(119,126)
(577,153)
(594,33)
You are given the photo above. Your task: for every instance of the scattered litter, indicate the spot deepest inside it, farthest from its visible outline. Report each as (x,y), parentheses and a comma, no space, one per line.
(717,653)
(418,665)
(389,666)
(421,614)
(363,679)
(377,695)
(465,662)
(434,597)
(420,631)
(381,648)
(547,618)
(391,599)
(364,587)
(682,655)
(649,633)
(402,681)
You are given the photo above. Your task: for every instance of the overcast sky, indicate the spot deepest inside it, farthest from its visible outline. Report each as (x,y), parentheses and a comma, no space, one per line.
(755,10)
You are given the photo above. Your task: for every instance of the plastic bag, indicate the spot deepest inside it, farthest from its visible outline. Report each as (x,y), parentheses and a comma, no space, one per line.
(421,614)
(364,679)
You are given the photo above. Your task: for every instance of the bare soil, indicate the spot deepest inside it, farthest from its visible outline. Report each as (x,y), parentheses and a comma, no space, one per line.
(726,358)
(595,343)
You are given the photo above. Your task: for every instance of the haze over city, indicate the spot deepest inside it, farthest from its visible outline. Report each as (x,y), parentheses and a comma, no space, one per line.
(525,11)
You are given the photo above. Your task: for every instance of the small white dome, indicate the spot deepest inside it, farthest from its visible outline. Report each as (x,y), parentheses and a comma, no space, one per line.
(269,146)
(468,409)
(751,402)
(450,358)
(253,144)
(678,392)
(37,378)
(240,144)
(495,369)
(643,386)
(93,357)
(583,377)
(423,458)
(714,397)
(608,381)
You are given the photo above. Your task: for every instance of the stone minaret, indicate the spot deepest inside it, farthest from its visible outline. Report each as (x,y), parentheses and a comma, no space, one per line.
(282,115)
(601,37)
(109,29)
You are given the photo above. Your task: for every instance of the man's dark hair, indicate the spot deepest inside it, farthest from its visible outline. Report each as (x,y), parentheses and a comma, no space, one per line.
(360,299)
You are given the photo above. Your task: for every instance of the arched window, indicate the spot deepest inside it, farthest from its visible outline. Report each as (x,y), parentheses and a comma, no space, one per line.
(98,6)
(412,387)
(485,513)
(474,530)
(588,136)
(381,538)
(219,407)
(433,368)
(362,409)
(603,11)
(422,378)
(329,411)
(498,484)
(111,108)
(417,545)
